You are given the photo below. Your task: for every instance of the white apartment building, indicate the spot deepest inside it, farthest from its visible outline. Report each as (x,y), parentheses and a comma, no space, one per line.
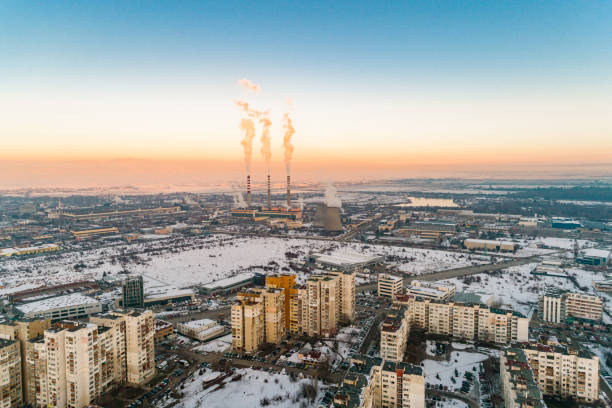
(394,334)
(389,285)
(465,321)
(556,306)
(373,382)
(563,372)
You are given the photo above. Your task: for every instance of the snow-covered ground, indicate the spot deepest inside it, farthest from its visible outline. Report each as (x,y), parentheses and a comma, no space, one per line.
(245,388)
(451,403)
(185,262)
(219,345)
(441,372)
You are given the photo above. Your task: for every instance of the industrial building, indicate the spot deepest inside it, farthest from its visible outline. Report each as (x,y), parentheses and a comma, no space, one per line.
(229,284)
(61,307)
(490,245)
(593,257)
(88,214)
(350,262)
(31,250)
(429,229)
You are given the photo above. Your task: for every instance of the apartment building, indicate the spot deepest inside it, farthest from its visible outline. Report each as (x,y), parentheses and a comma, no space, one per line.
(298,310)
(556,306)
(22,331)
(346,291)
(10,374)
(465,321)
(394,334)
(518,386)
(285,281)
(373,382)
(73,363)
(389,285)
(564,372)
(323,305)
(247,325)
(258,317)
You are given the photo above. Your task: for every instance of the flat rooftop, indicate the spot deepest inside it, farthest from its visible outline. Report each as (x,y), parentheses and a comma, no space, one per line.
(346,258)
(59,302)
(231,281)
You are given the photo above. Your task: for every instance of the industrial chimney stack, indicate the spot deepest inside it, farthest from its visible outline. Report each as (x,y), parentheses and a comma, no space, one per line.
(269,195)
(288,191)
(248,191)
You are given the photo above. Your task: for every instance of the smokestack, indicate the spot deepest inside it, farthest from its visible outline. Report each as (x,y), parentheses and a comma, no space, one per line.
(248,191)
(269,194)
(288,191)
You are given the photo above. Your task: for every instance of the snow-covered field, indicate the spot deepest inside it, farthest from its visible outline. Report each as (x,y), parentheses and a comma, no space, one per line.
(245,388)
(186,262)
(442,372)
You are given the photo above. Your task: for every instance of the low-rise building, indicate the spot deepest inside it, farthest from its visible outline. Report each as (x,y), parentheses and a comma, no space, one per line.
(163,330)
(202,330)
(389,285)
(61,307)
(490,245)
(431,290)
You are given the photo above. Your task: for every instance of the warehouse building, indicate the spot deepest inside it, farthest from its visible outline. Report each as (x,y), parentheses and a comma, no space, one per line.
(61,307)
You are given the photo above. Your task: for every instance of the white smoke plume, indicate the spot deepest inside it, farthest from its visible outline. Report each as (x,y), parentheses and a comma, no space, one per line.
(331,197)
(238,199)
(248,127)
(289,131)
(248,84)
(266,149)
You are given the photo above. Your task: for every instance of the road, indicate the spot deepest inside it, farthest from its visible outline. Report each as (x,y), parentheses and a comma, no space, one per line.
(457,272)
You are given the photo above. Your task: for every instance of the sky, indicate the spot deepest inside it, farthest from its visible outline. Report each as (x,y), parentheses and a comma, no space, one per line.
(144,92)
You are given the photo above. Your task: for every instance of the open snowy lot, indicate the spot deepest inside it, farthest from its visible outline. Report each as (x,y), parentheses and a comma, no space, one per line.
(219,345)
(443,372)
(246,388)
(185,262)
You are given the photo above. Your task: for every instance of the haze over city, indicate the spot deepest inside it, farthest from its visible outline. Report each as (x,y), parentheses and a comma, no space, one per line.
(116,93)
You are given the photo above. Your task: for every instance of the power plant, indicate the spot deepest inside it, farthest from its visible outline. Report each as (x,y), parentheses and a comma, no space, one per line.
(327,214)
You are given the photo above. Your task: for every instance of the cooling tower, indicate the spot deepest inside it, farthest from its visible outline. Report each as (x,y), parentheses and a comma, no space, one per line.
(319,217)
(332,219)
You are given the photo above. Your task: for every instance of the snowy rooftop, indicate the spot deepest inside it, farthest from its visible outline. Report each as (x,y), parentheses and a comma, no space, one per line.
(197,324)
(10,251)
(346,258)
(232,280)
(166,291)
(598,253)
(489,241)
(74,299)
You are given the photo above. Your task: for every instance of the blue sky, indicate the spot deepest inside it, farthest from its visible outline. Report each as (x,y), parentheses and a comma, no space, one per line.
(83,78)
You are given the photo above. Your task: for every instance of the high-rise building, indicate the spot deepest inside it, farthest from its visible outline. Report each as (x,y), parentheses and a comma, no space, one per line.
(563,372)
(519,387)
(258,317)
(556,306)
(389,285)
(285,281)
(22,331)
(323,305)
(394,334)
(374,382)
(132,292)
(73,363)
(247,326)
(10,374)
(346,293)
(465,321)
